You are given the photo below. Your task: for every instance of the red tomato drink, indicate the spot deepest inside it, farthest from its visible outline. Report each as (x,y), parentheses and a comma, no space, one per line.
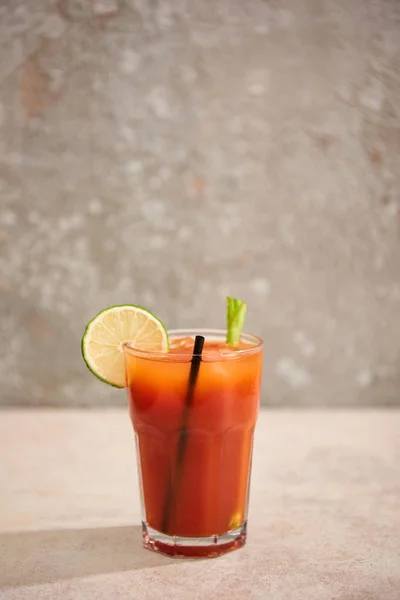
(195,464)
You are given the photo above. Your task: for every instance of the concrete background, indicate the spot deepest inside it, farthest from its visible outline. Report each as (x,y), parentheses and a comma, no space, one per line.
(167,153)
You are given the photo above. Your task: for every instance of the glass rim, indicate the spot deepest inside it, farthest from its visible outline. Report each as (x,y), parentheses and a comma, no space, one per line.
(257,345)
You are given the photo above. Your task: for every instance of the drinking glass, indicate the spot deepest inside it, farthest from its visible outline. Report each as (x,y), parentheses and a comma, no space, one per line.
(194,442)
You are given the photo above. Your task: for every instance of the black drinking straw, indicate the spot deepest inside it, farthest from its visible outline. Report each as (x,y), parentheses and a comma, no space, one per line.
(173,485)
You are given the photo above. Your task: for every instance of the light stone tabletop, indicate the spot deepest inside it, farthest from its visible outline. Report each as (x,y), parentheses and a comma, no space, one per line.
(324,518)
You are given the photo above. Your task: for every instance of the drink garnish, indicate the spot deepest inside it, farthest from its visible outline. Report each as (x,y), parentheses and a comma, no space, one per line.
(235,315)
(105,335)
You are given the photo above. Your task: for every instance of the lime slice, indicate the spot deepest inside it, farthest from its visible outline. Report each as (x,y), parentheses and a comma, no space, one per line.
(105,335)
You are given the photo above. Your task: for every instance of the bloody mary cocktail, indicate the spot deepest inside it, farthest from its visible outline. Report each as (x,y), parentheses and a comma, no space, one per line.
(195,465)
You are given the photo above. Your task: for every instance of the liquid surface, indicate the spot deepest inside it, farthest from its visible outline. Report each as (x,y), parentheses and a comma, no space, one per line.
(198,487)
(211,349)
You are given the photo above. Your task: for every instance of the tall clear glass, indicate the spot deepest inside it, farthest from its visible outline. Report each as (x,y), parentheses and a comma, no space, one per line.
(195,461)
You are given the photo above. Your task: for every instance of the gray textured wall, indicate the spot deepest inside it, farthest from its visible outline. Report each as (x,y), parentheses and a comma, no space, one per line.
(169,152)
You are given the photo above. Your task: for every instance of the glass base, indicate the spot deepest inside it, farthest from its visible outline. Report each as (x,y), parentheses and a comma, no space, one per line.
(193,547)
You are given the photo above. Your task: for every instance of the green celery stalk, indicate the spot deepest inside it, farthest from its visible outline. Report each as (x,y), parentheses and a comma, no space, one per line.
(235,314)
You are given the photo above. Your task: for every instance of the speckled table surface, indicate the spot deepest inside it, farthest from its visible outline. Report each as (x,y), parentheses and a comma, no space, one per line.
(324,517)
